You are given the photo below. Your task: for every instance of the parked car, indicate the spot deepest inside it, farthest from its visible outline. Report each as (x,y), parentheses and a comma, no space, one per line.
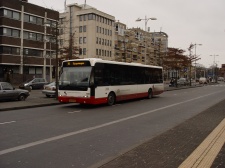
(221,79)
(182,81)
(203,80)
(8,92)
(49,89)
(36,83)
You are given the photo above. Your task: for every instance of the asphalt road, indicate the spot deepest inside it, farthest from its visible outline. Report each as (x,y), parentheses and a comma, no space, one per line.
(71,135)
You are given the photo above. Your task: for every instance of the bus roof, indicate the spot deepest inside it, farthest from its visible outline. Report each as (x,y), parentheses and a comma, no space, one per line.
(96,60)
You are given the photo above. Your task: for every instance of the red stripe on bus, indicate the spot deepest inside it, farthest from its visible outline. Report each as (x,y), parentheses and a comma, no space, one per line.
(93,100)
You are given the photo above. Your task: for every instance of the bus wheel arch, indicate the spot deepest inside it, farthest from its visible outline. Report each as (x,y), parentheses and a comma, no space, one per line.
(111,99)
(150,93)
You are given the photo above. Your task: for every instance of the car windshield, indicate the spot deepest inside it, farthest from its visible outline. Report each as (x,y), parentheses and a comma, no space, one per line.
(52,84)
(74,78)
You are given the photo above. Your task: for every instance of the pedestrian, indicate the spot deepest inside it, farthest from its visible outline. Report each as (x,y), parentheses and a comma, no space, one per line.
(172,82)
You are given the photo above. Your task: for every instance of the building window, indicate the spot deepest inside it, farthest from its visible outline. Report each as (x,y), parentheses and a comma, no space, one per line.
(7,13)
(16,15)
(102,41)
(84,17)
(84,51)
(84,40)
(33,19)
(96,40)
(96,51)
(97,29)
(80,29)
(36,20)
(32,36)
(84,28)
(90,16)
(39,37)
(80,40)
(32,52)
(15,33)
(26,18)
(9,50)
(80,17)
(7,32)
(60,31)
(39,21)
(61,42)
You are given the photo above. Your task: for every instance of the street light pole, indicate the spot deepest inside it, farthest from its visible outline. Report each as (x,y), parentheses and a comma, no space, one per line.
(146,21)
(213,69)
(195,58)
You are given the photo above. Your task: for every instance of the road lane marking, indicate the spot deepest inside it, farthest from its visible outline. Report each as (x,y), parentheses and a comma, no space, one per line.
(8,122)
(204,155)
(74,112)
(13,149)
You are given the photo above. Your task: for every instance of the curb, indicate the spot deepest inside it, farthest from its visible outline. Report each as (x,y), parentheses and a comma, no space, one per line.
(28,106)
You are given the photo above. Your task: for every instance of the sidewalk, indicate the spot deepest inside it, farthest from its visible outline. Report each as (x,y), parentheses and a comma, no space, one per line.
(36,99)
(195,143)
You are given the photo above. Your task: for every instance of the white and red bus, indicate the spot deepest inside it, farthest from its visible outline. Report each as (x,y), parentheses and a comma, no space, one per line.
(97,81)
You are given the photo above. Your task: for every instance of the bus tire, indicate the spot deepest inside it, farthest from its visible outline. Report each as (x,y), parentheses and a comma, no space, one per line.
(111,99)
(150,94)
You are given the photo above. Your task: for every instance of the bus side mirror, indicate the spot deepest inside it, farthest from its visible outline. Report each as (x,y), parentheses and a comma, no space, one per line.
(92,84)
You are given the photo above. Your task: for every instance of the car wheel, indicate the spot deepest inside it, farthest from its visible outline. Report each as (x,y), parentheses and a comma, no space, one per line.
(31,87)
(21,97)
(111,99)
(48,96)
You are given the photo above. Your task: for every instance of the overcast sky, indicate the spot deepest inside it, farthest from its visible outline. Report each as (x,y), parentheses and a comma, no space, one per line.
(185,21)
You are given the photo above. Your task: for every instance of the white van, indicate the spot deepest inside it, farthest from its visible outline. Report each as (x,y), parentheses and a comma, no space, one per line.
(203,80)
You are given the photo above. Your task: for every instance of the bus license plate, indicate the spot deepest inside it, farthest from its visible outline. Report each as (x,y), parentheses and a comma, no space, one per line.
(72,100)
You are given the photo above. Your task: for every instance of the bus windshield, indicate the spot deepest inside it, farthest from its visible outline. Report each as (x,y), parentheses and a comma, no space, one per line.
(75,78)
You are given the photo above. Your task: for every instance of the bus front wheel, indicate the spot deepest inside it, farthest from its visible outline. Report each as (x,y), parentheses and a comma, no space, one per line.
(150,94)
(111,99)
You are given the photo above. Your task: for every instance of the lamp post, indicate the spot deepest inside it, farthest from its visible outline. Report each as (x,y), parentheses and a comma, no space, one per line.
(45,52)
(213,69)
(146,21)
(45,40)
(195,58)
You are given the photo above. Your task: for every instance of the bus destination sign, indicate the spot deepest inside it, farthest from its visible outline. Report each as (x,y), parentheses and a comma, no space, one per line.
(76,63)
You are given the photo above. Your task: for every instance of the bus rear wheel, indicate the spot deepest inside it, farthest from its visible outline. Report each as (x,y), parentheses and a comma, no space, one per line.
(111,99)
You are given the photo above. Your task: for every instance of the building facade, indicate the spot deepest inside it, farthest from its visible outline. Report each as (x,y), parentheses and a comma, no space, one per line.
(86,33)
(27,41)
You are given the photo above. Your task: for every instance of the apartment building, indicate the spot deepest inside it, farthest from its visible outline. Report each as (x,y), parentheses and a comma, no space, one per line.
(27,40)
(137,45)
(160,44)
(86,32)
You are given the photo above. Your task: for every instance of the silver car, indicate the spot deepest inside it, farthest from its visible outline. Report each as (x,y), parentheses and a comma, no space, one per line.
(182,81)
(8,92)
(49,90)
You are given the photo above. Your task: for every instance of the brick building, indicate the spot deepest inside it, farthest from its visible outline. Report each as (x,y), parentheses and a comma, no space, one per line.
(27,40)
